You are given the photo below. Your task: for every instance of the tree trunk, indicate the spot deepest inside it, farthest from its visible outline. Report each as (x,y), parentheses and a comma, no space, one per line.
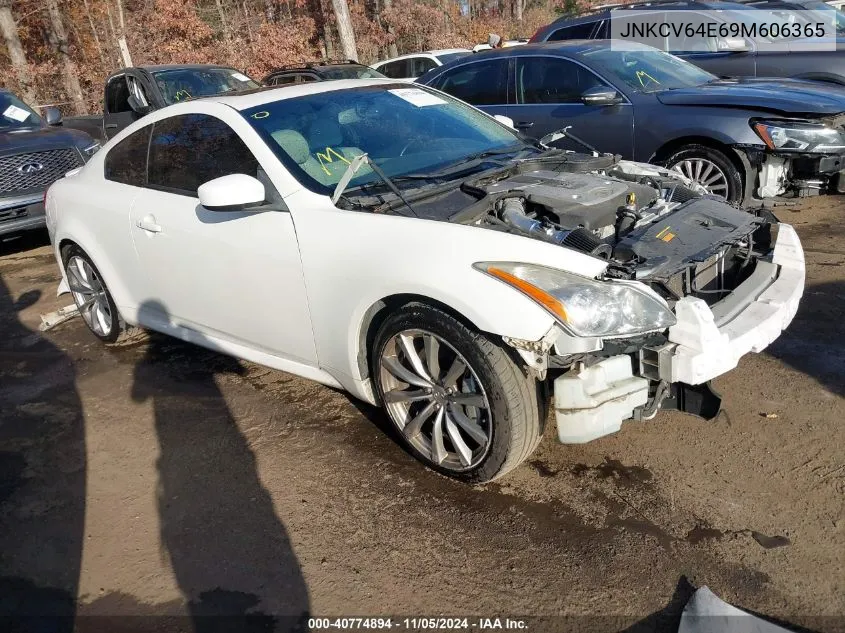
(222,14)
(270,10)
(9,29)
(392,51)
(248,26)
(70,75)
(94,32)
(344,29)
(122,46)
(517,10)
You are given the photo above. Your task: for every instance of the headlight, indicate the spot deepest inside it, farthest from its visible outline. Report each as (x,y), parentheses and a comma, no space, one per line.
(586,307)
(89,151)
(799,137)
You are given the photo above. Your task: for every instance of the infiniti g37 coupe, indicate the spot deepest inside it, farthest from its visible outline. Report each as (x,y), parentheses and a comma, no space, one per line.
(394,242)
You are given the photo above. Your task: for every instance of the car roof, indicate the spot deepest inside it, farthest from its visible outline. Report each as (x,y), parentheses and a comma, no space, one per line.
(447,51)
(154,68)
(252,98)
(442,51)
(315,66)
(602,11)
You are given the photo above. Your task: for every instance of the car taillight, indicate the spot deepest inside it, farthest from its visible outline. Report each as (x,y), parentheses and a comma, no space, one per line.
(533,38)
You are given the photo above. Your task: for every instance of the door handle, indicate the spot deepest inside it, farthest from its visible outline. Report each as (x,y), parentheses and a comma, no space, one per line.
(111,126)
(148,223)
(523,125)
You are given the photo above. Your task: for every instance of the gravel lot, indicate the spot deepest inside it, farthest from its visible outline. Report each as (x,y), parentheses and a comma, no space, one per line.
(156,478)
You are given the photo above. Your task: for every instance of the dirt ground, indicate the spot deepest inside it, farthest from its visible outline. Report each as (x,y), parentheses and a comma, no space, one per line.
(159,479)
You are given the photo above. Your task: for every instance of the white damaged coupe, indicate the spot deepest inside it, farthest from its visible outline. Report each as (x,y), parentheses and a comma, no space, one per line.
(401,245)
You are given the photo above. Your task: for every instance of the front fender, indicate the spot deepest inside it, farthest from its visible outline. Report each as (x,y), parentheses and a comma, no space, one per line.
(352,260)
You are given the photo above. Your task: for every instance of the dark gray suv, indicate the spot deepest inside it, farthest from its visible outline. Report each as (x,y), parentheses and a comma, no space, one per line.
(34,153)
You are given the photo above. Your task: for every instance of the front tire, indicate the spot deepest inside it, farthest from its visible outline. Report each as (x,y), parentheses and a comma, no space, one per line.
(458,400)
(91,296)
(708,167)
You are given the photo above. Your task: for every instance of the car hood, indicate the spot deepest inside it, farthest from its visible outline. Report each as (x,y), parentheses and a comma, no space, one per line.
(787,96)
(38,138)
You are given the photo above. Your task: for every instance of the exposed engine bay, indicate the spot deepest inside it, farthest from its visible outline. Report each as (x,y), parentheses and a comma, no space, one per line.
(650,224)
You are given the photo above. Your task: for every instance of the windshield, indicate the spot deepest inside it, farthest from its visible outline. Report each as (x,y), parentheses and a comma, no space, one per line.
(352,72)
(450,57)
(408,132)
(647,70)
(14,113)
(192,83)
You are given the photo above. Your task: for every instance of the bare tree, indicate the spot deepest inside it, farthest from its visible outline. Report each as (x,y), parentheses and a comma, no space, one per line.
(344,29)
(9,29)
(70,76)
(517,10)
(94,32)
(222,14)
(121,40)
(392,51)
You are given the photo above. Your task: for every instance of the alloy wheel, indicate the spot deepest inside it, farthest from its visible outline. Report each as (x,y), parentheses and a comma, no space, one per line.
(435,399)
(705,173)
(89,294)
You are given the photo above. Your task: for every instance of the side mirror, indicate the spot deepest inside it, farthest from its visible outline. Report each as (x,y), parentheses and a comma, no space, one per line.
(505,120)
(235,192)
(734,45)
(136,106)
(600,96)
(52,115)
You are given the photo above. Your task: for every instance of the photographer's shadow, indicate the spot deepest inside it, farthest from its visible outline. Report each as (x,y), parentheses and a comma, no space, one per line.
(227,547)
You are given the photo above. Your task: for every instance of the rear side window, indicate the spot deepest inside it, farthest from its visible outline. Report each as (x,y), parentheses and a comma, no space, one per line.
(478,83)
(117,95)
(576,32)
(126,162)
(282,80)
(421,65)
(191,149)
(395,70)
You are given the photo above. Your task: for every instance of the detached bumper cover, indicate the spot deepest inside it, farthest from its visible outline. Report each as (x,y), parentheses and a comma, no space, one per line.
(706,342)
(701,348)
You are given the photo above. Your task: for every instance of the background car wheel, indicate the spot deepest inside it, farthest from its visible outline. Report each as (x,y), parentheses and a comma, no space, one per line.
(458,400)
(708,167)
(91,295)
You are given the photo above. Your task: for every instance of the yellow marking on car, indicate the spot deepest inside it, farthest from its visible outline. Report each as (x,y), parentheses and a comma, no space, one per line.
(660,235)
(668,237)
(641,74)
(327,158)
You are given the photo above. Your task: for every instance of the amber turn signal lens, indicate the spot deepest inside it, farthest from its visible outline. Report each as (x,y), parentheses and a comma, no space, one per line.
(540,296)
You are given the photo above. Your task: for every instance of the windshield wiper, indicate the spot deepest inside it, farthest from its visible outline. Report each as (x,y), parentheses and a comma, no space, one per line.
(354,166)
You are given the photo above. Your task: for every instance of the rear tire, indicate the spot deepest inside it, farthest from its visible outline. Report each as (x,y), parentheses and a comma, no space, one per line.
(708,165)
(91,296)
(487,419)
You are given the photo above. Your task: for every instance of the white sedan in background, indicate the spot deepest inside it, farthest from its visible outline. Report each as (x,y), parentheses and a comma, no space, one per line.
(399,244)
(409,67)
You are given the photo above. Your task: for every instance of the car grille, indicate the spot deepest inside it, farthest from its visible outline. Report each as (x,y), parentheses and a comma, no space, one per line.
(33,171)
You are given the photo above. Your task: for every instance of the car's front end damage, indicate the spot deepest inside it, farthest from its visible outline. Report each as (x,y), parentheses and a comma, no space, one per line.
(798,158)
(690,286)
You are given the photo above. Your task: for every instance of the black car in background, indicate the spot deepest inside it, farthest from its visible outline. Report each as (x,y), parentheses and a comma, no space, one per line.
(130,93)
(724,57)
(34,153)
(320,71)
(740,138)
